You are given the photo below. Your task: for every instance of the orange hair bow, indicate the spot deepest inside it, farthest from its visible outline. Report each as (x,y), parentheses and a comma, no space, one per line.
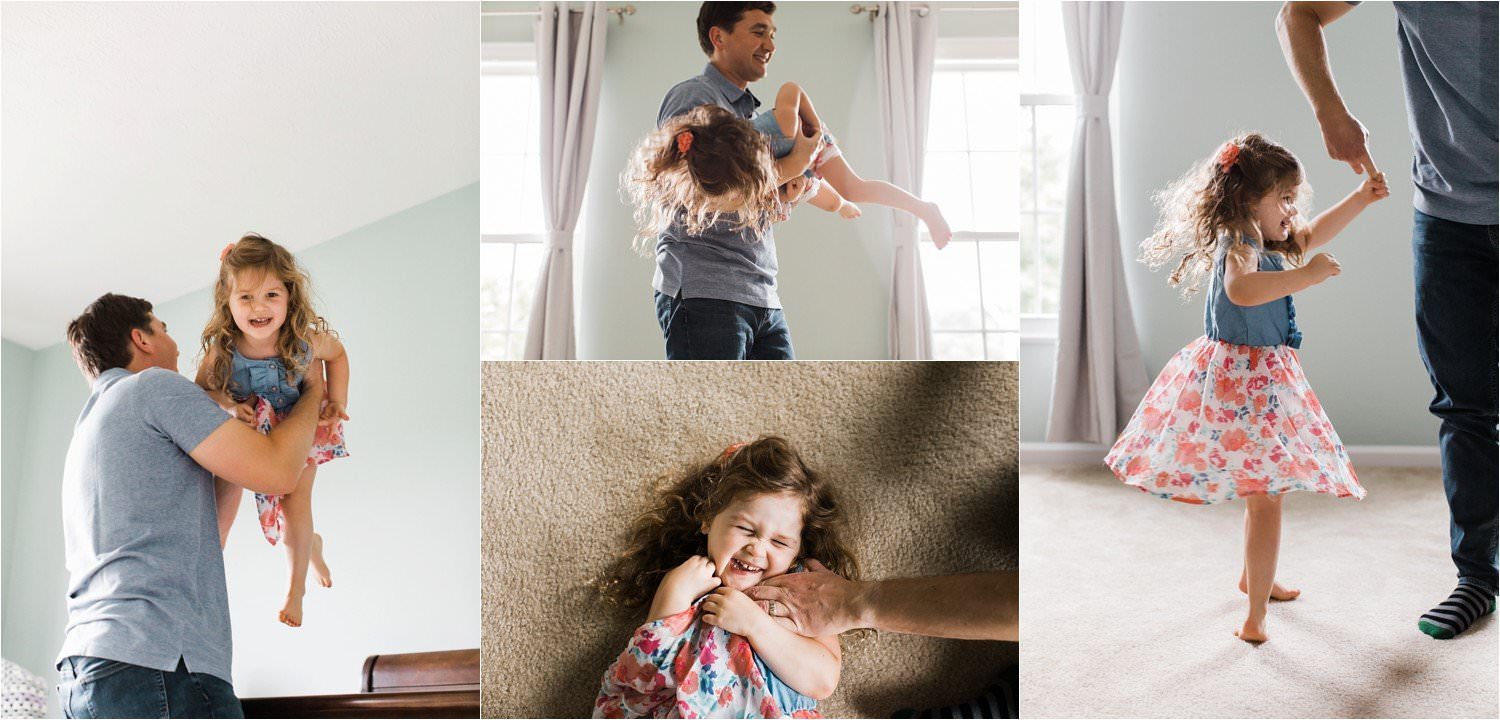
(225,252)
(684,141)
(1228,155)
(729,451)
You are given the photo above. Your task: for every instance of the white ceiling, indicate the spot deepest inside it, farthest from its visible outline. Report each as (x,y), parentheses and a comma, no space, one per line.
(139,138)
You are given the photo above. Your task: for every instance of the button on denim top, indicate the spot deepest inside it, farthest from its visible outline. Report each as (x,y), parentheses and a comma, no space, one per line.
(264,378)
(1272,323)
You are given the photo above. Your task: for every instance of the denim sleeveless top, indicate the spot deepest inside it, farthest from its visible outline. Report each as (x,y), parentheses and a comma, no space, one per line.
(1272,323)
(780,144)
(264,378)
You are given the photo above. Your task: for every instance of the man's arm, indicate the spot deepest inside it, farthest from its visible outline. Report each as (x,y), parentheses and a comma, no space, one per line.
(799,159)
(267,464)
(1299,28)
(980,606)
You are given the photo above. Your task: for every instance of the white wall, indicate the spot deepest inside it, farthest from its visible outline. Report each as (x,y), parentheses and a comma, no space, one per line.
(1190,76)
(398,514)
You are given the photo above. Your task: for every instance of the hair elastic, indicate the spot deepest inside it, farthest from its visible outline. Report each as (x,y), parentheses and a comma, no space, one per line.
(684,141)
(730,451)
(225,252)
(1228,156)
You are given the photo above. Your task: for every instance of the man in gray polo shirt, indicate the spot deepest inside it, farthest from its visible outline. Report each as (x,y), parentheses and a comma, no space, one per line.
(1449,69)
(148,614)
(716,292)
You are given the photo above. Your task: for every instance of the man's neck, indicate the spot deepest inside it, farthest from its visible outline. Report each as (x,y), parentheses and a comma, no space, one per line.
(733,80)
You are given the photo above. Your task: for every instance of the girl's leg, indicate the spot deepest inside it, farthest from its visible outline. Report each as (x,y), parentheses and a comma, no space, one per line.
(826,198)
(1262,541)
(301,542)
(856,189)
(227,497)
(788,109)
(1279,592)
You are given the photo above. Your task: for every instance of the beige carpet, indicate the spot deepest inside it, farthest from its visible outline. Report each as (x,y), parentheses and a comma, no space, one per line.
(924,453)
(1128,605)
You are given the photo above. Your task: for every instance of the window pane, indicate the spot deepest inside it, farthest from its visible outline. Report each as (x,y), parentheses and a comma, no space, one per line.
(958,346)
(501,185)
(1049,232)
(952,278)
(516,347)
(528,265)
(530,220)
(946,128)
(493,346)
(1003,346)
(999,264)
(495,262)
(1028,156)
(996,183)
(505,113)
(945,181)
(1054,143)
(1031,251)
(1044,49)
(993,103)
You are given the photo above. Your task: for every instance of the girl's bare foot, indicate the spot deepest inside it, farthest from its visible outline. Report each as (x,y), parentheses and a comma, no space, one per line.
(317,565)
(937,227)
(291,611)
(1278,591)
(849,211)
(1253,631)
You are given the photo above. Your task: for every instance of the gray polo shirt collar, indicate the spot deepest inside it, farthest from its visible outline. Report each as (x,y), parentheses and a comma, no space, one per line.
(733,93)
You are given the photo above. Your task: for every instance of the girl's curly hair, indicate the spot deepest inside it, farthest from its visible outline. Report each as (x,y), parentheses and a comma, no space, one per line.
(700,168)
(256,255)
(670,532)
(1205,211)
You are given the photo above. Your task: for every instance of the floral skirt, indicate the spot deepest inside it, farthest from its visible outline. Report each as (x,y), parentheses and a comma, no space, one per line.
(328,443)
(679,667)
(1224,421)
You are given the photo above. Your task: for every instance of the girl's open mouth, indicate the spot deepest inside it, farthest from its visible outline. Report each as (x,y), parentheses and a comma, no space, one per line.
(260,322)
(744,567)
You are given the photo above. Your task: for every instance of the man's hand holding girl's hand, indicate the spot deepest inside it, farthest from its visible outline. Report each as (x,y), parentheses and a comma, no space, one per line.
(1373,189)
(734,611)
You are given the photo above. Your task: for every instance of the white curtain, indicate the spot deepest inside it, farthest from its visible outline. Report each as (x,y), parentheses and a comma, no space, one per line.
(1100,376)
(904,46)
(570,66)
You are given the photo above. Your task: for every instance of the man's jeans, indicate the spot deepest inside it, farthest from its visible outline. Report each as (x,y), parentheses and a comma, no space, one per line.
(96,688)
(1457,315)
(709,329)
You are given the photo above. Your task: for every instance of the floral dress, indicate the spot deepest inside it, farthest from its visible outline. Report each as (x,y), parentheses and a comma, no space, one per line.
(266,380)
(1232,413)
(680,667)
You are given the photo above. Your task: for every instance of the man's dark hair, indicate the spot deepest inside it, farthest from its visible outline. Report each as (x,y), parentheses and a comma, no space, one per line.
(101,335)
(724,15)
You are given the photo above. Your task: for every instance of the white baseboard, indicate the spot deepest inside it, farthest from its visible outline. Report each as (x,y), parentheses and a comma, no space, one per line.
(1048,453)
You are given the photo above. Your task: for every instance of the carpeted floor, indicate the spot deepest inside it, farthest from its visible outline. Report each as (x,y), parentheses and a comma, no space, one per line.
(924,453)
(1129,604)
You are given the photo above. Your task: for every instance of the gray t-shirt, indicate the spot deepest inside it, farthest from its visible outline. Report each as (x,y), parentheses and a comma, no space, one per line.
(720,263)
(1448,65)
(145,572)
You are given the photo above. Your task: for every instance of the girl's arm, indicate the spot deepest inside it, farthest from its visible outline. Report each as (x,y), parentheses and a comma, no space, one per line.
(1332,221)
(681,586)
(328,349)
(244,412)
(810,665)
(1246,284)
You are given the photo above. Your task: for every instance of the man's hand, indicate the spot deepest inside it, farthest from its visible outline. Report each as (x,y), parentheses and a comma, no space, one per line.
(730,609)
(1347,140)
(818,602)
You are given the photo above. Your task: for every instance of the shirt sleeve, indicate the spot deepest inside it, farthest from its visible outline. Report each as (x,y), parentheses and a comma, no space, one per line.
(179,409)
(684,97)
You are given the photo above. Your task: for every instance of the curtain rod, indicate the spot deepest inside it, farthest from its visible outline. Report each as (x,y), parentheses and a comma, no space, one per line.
(619,12)
(923,10)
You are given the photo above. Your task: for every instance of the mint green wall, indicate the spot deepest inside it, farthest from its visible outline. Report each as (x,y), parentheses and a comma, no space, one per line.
(1179,92)
(16,362)
(398,515)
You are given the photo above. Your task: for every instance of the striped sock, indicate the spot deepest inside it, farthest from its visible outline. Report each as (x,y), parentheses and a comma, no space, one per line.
(1468,603)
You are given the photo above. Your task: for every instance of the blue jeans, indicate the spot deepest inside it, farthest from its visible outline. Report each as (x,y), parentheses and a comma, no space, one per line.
(1457,318)
(92,687)
(709,329)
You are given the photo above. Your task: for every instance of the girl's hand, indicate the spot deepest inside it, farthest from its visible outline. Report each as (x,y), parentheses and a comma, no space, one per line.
(1373,189)
(1324,266)
(688,581)
(245,411)
(734,611)
(332,412)
(849,210)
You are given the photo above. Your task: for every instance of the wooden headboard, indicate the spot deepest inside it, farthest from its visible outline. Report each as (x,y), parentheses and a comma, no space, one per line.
(441,684)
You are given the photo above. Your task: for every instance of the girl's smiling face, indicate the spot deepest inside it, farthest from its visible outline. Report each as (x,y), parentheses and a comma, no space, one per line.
(1273,214)
(755,538)
(258,303)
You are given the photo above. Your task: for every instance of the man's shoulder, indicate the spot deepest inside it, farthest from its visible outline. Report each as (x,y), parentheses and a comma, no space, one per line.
(156,378)
(688,94)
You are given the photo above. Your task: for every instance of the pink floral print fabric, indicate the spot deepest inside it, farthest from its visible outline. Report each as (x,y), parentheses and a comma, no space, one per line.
(328,443)
(1224,421)
(678,667)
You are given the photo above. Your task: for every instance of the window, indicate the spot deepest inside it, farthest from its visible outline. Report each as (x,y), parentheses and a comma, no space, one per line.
(512,230)
(1047,119)
(972,170)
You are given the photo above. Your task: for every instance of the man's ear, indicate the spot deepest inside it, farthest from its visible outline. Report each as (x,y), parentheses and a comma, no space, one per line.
(703,528)
(715,37)
(142,342)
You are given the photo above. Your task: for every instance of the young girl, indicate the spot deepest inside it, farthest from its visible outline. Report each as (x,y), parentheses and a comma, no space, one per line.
(707,650)
(1232,414)
(259,341)
(832,185)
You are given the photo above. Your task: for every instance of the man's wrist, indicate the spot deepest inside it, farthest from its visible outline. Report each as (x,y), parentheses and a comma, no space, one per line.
(863,602)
